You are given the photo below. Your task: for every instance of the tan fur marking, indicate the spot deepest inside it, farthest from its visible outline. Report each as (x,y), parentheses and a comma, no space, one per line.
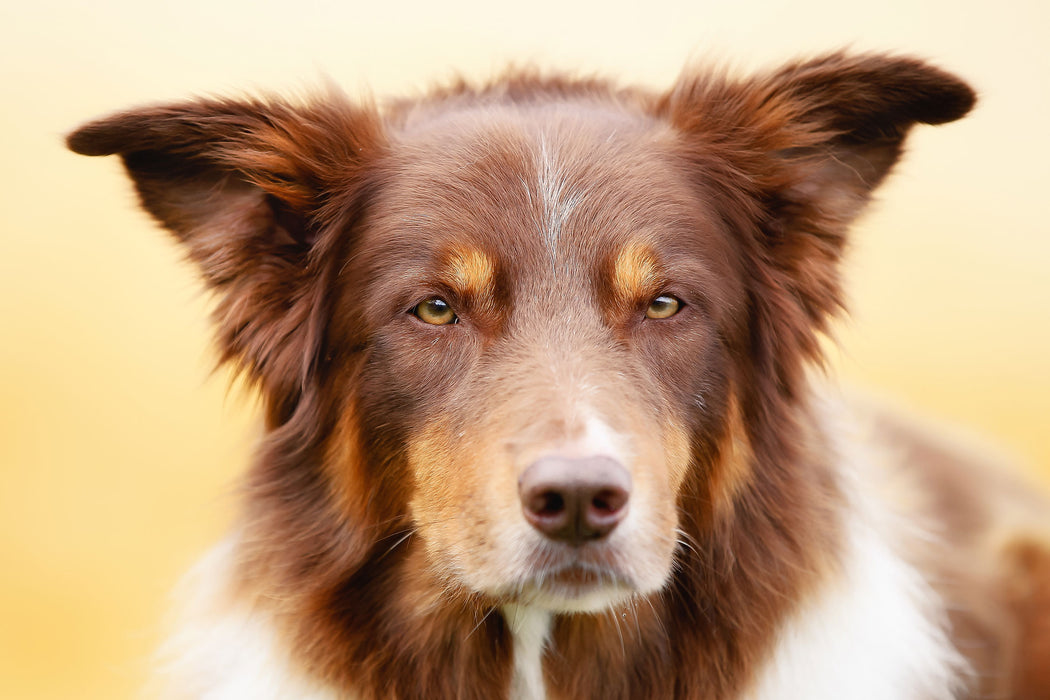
(471,271)
(678,452)
(1028,592)
(736,463)
(429,455)
(442,485)
(635,273)
(344,463)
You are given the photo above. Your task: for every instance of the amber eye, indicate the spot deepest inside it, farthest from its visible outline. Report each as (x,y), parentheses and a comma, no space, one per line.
(435,311)
(663,306)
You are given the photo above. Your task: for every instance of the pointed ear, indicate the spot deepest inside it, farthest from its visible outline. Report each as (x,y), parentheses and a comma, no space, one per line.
(790,159)
(823,132)
(253,189)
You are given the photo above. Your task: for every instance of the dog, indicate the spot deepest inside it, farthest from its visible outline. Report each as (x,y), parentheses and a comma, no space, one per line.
(540,363)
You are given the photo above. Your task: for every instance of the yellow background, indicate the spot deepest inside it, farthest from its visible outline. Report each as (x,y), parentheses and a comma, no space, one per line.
(118,450)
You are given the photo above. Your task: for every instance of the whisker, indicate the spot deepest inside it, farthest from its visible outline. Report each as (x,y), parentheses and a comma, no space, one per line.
(633,603)
(400,540)
(619,633)
(686,540)
(480,622)
(657,617)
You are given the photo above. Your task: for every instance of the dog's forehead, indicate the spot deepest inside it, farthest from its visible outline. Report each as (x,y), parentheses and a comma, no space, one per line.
(538,182)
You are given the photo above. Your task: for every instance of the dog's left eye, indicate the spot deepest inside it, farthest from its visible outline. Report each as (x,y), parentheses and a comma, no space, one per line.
(435,311)
(663,306)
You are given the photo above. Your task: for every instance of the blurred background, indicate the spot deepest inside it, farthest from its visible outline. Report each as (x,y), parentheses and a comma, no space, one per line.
(119,448)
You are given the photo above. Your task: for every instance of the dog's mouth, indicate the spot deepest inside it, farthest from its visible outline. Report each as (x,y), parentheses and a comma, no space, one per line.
(577,585)
(576,576)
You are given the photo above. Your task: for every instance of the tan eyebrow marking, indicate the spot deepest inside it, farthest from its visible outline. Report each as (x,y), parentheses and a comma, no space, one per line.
(635,272)
(470,271)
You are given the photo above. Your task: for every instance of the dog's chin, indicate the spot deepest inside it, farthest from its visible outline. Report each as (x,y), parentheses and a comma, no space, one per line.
(569,598)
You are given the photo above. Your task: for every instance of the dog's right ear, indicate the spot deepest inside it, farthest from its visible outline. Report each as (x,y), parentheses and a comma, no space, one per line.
(250,187)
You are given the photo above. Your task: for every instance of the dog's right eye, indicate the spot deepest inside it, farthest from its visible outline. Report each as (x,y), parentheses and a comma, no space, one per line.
(435,311)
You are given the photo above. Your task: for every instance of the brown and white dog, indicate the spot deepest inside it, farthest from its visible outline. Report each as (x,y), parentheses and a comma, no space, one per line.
(540,417)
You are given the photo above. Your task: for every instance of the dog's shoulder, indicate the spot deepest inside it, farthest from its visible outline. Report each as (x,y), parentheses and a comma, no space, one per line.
(221,646)
(875,627)
(966,521)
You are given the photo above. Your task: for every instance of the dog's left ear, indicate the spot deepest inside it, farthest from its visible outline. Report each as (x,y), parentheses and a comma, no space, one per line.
(789,159)
(823,132)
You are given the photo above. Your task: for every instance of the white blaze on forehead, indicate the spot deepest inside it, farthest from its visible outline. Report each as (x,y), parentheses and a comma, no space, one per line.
(556,196)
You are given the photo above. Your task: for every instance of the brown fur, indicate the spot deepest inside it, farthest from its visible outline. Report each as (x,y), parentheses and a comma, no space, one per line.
(393,449)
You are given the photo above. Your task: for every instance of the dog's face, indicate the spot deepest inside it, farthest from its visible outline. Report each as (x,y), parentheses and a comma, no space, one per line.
(547,325)
(544,290)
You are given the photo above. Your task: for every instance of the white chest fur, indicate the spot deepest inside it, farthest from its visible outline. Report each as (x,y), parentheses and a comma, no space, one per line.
(530,628)
(878,631)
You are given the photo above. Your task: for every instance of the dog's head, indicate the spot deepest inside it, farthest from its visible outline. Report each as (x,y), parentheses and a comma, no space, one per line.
(547,325)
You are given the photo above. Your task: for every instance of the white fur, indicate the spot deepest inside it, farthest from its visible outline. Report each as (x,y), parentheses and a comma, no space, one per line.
(530,628)
(600,439)
(224,650)
(558,201)
(878,631)
(868,636)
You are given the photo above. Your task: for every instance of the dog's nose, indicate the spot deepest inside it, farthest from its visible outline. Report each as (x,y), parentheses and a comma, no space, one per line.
(575,500)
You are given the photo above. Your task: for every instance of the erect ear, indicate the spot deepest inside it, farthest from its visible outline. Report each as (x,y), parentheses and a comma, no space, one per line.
(252,188)
(823,132)
(791,157)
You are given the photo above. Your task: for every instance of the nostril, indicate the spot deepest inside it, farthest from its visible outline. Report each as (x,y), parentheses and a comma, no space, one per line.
(605,509)
(547,503)
(608,501)
(549,510)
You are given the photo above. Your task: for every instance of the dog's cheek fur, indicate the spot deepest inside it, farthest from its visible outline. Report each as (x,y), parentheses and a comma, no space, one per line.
(354,593)
(459,499)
